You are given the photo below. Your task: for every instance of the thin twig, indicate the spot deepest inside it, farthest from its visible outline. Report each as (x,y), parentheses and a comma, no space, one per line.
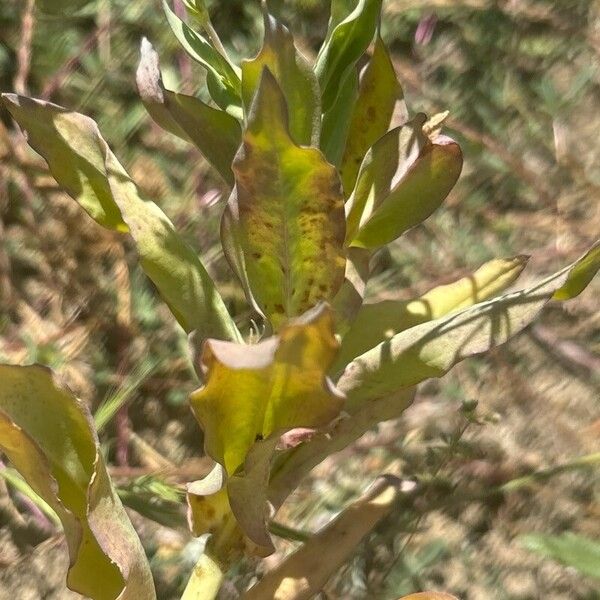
(567,352)
(24,50)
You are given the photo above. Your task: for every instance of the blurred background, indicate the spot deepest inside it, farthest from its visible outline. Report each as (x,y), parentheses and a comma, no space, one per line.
(514,511)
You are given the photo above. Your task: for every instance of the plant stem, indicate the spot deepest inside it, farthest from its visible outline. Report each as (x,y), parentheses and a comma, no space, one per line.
(289,533)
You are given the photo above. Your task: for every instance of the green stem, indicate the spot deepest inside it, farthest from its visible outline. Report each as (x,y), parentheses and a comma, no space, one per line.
(18,483)
(589,460)
(289,533)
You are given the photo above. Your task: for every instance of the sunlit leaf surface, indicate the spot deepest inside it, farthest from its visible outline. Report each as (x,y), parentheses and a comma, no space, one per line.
(252,395)
(82,163)
(273,386)
(222,78)
(433,348)
(302,574)
(382,320)
(378,95)
(404,178)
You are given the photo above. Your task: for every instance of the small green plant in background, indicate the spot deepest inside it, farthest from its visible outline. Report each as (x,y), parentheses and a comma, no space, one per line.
(319,181)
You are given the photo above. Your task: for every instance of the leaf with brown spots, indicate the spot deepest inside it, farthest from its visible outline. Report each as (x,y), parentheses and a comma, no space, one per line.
(377,97)
(293,74)
(284,228)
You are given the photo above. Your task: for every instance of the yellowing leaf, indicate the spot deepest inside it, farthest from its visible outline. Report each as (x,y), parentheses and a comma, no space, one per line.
(254,394)
(215,133)
(254,391)
(82,163)
(581,275)
(344,45)
(377,322)
(205,580)
(378,94)
(433,348)
(403,179)
(208,505)
(304,573)
(48,436)
(284,228)
(294,76)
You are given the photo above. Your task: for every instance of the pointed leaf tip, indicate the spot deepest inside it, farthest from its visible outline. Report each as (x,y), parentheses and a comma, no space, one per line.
(294,76)
(432,348)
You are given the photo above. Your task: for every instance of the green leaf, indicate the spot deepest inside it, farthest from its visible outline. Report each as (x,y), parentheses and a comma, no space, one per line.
(294,76)
(278,384)
(215,133)
(336,121)
(301,575)
(350,296)
(378,95)
(433,348)
(198,9)
(222,78)
(339,10)
(581,275)
(284,228)
(384,166)
(570,549)
(82,163)
(344,45)
(48,436)
(377,322)
(403,179)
